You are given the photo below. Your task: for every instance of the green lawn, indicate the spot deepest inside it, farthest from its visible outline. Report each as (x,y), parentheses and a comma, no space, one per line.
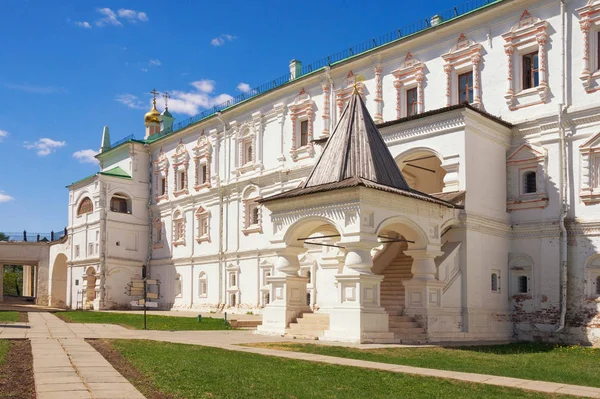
(535,361)
(136,321)
(7,315)
(4,346)
(192,371)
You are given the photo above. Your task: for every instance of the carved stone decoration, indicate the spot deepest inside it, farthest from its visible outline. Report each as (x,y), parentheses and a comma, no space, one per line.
(161,171)
(326,107)
(378,94)
(203,223)
(526,159)
(408,76)
(302,110)
(181,161)
(526,36)
(344,93)
(589,22)
(465,55)
(590,173)
(247,149)
(202,157)
(178,228)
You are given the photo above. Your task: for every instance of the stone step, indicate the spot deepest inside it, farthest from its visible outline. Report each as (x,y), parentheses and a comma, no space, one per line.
(410,330)
(297,328)
(313,323)
(403,324)
(401,318)
(316,316)
(301,336)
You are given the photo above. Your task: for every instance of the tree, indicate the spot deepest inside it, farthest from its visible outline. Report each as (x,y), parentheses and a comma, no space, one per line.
(4,237)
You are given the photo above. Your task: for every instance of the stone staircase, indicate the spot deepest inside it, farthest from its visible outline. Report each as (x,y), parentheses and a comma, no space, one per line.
(308,326)
(405,328)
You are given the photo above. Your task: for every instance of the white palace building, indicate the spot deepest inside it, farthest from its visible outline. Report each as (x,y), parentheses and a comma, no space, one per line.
(441,183)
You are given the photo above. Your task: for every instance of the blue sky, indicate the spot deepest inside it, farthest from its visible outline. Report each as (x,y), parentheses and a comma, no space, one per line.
(71,67)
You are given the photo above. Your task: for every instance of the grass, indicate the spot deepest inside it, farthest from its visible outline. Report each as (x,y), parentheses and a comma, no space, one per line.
(192,371)
(534,361)
(4,346)
(136,321)
(7,315)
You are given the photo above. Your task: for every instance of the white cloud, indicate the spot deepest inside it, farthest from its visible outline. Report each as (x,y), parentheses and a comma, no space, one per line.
(5,197)
(204,85)
(83,24)
(34,89)
(110,18)
(132,15)
(86,156)
(3,134)
(130,100)
(45,146)
(144,69)
(155,62)
(220,40)
(243,87)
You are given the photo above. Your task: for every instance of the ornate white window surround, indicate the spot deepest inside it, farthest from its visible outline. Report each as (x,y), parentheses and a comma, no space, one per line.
(409,76)
(521,266)
(592,268)
(178,228)
(252,211)
(247,149)
(202,158)
(526,36)
(158,233)
(464,56)
(302,110)
(590,173)
(526,158)
(590,26)
(203,218)
(202,285)
(161,171)
(343,94)
(181,162)
(233,291)
(266,271)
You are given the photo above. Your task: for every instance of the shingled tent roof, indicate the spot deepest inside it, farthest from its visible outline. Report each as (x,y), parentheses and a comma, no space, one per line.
(356,155)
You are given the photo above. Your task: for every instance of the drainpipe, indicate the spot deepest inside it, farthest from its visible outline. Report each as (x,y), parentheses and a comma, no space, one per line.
(150,230)
(562,108)
(221,230)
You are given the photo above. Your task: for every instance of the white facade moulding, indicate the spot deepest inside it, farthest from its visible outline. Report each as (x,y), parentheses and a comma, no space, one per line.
(202,162)
(181,162)
(463,57)
(590,170)
(526,159)
(302,110)
(527,36)
(590,28)
(408,76)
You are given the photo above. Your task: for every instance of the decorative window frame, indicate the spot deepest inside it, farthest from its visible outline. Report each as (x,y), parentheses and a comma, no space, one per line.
(527,157)
(589,23)
(250,197)
(157,225)
(308,268)
(181,162)
(410,75)
(526,36)
(202,156)
(343,94)
(202,214)
(519,266)
(267,269)
(247,135)
(178,286)
(498,289)
(178,234)
(590,170)
(302,110)
(161,170)
(592,271)
(202,285)
(233,289)
(463,57)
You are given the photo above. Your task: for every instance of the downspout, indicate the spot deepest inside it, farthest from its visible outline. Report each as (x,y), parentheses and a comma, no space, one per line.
(150,230)
(220,191)
(104,212)
(562,108)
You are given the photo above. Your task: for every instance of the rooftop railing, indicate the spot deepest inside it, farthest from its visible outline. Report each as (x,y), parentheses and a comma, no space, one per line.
(25,236)
(331,59)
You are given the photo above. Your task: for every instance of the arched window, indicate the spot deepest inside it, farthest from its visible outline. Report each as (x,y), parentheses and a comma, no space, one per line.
(202,285)
(178,228)
(494,282)
(86,206)
(178,285)
(522,285)
(252,211)
(529,182)
(598,285)
(249,153)
(120,203)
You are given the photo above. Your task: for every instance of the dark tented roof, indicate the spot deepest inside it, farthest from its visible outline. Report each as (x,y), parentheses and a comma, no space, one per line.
(356,150)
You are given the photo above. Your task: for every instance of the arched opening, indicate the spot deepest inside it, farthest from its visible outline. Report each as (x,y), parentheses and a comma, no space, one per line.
(58,293)
(90,289)
(85,206)
(120,203)
(423,171)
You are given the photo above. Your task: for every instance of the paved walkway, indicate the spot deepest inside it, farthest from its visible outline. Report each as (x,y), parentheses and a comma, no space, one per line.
(65,366)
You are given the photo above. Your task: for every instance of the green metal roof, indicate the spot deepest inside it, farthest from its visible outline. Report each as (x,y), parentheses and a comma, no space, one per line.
(116,172)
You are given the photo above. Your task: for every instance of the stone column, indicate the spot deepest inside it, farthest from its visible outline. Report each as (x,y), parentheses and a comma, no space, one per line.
(288,293)
(358,316)
(424,290)
(27,280)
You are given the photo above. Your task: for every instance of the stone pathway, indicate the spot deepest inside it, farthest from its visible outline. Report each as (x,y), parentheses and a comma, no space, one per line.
(65,366)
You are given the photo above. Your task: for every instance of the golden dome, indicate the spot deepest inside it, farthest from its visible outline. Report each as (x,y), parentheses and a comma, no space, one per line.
(152,115)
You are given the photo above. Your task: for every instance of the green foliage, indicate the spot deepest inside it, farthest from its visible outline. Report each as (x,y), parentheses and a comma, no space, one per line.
(4,346)
(136,321)
(535,361)
(193,371)
(4,237)
(13,280)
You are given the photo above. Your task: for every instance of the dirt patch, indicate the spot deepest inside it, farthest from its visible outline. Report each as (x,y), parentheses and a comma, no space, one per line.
(23,317)
(142,382)
(16,375)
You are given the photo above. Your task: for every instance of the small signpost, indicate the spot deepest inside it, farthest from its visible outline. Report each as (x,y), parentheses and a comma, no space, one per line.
(142,288)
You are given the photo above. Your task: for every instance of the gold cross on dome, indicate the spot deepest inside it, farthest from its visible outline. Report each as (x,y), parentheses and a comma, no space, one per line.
(154,93)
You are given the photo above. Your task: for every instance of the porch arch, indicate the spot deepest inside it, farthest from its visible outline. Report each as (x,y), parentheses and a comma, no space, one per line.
(403,226)
(58,293)
(305,227)
(422,169)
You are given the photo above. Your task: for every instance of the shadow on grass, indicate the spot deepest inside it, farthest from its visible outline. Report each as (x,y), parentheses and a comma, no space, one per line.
(515,348)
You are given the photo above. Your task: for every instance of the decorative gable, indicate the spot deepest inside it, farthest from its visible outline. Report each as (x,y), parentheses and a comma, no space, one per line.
(590,173)
(526,178)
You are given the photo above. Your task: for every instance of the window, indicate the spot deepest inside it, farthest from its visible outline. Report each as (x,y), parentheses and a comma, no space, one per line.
(303,133)
(494,282)
(203,172)
(178,228)
(465,87)
(232,280)
(203,217)
(119,203)
(248,152)
(531,75)
(254,214)
(90,249)
(202,285)
(202,159)
(85,207)
(251,211)
(178,285)
(181,180)
(163,186)
(598,285)
(77,251)
(522,287)
(158,236)
(233,299)
(529,182)
(411,102)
